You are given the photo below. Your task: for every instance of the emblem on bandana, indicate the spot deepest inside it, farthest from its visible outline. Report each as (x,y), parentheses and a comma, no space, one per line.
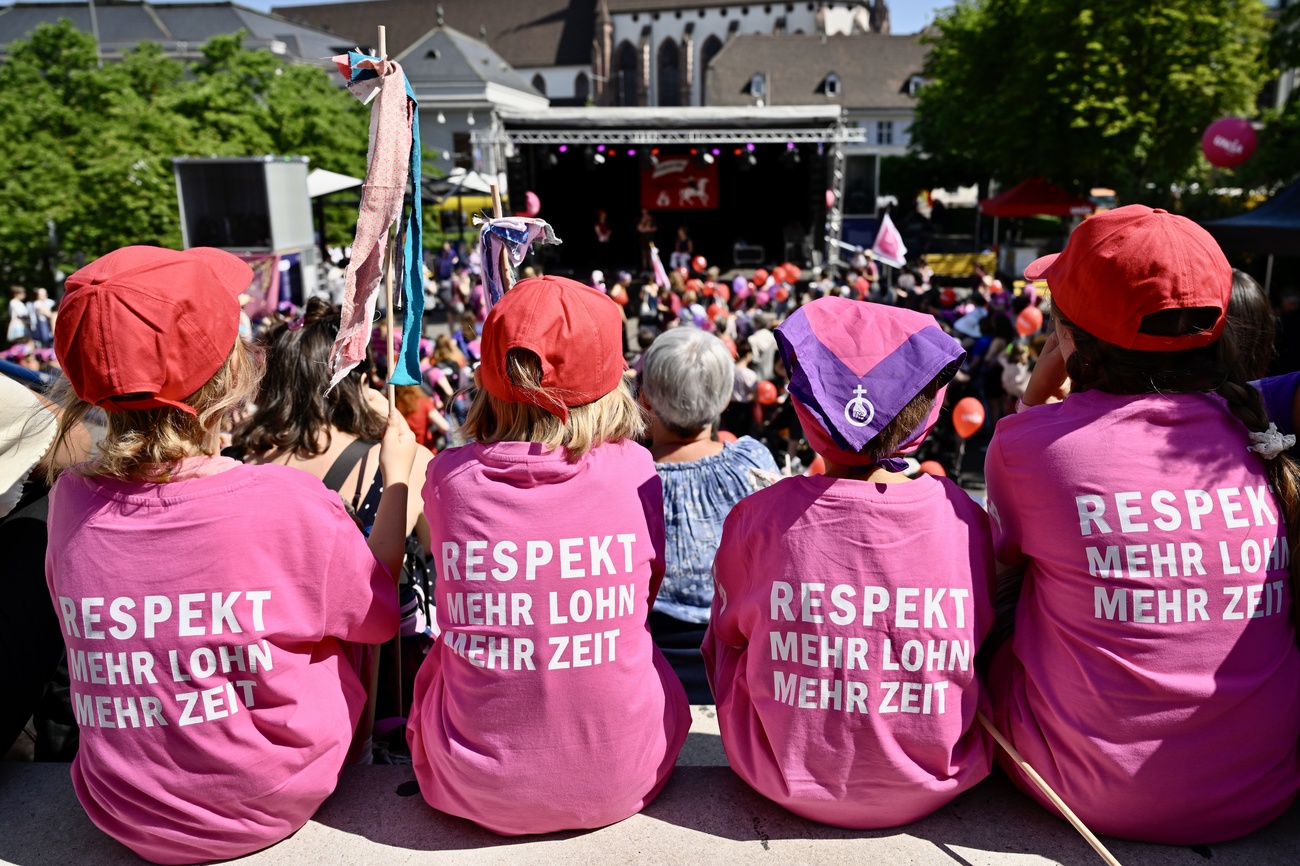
(859,410)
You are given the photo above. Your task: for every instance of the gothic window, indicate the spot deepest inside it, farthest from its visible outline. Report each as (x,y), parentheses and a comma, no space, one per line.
(625,74)
(670,74)
(582,87)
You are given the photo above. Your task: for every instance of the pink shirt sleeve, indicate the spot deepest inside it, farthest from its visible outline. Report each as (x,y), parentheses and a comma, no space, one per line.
(360,595)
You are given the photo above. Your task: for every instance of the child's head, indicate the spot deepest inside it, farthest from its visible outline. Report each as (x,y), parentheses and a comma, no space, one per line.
(866,380)
(151,335)
(552,370)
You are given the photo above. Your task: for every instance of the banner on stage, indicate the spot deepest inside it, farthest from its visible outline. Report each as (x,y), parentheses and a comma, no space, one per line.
(676,184)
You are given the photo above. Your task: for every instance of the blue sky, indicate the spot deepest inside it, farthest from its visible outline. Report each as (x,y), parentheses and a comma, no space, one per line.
(905,16)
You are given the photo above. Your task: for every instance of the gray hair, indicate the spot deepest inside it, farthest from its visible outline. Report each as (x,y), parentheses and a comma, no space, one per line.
(686,376)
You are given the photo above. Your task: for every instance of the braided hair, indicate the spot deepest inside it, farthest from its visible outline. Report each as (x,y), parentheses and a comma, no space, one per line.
(1097,364)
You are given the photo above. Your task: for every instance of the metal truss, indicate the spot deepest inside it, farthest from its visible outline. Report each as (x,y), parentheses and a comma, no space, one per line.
(836,134)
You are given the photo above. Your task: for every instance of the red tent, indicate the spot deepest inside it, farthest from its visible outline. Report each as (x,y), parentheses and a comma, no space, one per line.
(1036,197)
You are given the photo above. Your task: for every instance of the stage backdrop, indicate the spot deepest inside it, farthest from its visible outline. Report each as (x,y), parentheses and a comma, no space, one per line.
(675,184)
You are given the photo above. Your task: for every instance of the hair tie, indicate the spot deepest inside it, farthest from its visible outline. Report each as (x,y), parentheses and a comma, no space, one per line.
(1271,442)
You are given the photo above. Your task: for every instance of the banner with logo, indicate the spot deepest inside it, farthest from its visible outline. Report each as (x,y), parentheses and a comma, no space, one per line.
(677,183)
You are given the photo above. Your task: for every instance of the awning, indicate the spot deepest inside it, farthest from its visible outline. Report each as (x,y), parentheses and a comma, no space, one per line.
(1036,197)
(321,182)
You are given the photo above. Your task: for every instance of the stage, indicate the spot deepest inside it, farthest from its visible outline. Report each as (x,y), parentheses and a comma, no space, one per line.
(749,184)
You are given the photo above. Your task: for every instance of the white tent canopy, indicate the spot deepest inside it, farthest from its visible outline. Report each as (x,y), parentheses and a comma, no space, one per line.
(321,182)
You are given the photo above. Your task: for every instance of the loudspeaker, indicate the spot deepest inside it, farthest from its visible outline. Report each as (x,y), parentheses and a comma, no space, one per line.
(252,204)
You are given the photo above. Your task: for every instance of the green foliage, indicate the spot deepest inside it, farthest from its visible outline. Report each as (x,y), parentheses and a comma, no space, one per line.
(88,149)
(1087,92)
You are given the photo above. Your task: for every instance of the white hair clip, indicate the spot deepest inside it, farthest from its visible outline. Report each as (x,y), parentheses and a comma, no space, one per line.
(1271,442)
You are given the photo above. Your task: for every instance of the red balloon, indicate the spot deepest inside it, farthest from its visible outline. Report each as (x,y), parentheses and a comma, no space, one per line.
(714,311)
(1229,142)
(532,204)
(792,272)
(721,292)
(731,346)
(726,436)
(709,288)
(618,295)
(683,272)
(1029,321)
(700,264)
(779,274)
(766,393)
(933,467)
(694,285)
(760,277)
(968,417)
(817,467)
(782,294)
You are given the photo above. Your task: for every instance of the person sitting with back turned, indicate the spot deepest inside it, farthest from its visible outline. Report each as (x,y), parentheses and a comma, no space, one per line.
(849,606)
(686,380)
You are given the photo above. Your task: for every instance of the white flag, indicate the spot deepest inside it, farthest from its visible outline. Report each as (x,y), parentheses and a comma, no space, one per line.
(889,247)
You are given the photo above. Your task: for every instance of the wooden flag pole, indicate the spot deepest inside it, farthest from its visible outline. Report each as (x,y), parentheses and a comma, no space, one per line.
(388,267)
(505,256)
(1048,792)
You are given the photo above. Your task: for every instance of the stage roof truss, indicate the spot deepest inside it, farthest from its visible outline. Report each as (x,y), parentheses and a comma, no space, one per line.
(669,137)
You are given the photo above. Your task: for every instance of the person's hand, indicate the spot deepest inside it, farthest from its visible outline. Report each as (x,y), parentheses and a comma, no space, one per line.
(1049,383)
(397,450)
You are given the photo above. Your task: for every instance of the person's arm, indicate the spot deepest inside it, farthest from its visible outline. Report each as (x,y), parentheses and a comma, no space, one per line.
(1049,383)
(388,533)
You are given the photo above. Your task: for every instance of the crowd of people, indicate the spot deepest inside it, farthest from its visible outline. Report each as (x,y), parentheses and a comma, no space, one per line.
(609,499)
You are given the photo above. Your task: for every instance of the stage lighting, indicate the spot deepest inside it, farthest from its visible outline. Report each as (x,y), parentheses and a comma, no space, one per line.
(790,157)
(564,148)
(592,157)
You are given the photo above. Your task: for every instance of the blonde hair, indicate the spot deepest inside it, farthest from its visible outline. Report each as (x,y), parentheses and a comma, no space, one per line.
(612,418)
(146,444)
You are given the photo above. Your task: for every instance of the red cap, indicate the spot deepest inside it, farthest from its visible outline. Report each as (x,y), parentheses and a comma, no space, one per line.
(146,327)
(1125,264)
(576,331)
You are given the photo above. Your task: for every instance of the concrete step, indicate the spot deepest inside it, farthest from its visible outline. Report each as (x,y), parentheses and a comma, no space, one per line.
(705,815)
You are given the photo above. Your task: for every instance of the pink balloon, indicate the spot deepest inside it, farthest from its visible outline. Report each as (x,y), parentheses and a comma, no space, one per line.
(762,298)
(532,204)
(830,198)
(1229,142)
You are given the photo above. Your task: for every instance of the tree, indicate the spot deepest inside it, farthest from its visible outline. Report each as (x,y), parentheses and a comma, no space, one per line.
(1108,92)
(86,162)
(1275,161)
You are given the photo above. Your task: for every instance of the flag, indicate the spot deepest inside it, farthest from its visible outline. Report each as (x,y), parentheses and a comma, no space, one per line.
(392,158)
(889,247)
(661,276)
(515,235)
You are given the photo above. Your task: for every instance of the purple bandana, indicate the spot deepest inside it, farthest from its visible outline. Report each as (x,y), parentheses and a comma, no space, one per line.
(854,366)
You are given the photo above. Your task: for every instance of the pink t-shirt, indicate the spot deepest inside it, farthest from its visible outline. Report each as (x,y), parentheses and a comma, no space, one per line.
(203,620)
(841,649)
(544,705)
(1153,678)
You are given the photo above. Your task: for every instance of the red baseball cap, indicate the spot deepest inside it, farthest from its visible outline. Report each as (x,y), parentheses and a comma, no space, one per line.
(576,331)
(1122,265)
(146,327)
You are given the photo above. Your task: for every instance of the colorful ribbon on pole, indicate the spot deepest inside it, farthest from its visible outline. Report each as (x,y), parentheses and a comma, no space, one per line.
(393,157)
(516,235)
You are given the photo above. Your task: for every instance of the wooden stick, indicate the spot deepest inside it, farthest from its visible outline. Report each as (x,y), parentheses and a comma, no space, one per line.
(1048,792)
(383,42)
(505,256)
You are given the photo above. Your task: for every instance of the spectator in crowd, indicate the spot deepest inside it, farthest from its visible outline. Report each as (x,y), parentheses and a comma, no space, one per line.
(192,767)
(1152,678)
(828,563)
(687,376)
(563,714)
